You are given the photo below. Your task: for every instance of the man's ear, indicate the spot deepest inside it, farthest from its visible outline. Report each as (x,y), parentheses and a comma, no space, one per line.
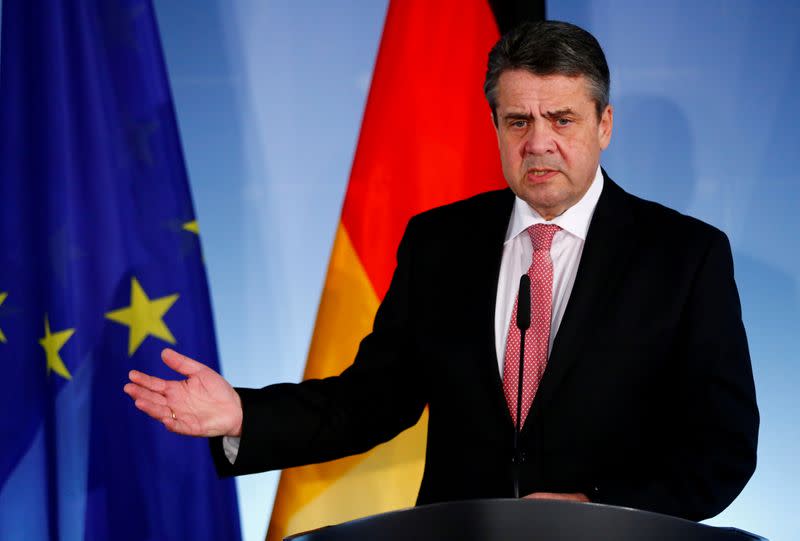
(605,127)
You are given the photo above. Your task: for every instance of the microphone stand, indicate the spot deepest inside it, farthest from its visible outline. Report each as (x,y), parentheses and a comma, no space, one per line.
(523,323)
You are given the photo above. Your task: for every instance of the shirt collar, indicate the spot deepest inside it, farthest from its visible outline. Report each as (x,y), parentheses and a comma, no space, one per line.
(574,220)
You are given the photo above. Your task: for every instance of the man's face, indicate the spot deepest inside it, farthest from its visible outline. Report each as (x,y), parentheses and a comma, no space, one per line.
(550,138)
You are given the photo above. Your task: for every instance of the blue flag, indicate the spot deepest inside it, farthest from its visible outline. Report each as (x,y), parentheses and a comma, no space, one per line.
(100,268)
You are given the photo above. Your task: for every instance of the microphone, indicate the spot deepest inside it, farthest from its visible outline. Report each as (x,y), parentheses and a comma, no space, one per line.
(523,323)
(524,304)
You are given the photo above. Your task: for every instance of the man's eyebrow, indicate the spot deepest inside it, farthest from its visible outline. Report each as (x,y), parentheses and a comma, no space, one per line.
(558,113)
(566,111)
(515,115)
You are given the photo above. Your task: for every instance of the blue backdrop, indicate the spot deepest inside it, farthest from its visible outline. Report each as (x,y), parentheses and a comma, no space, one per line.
(269,97)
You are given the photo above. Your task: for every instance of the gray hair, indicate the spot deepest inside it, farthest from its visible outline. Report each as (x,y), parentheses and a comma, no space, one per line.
(549,48)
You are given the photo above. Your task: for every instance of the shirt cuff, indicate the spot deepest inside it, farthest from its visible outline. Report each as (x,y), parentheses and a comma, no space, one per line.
(230,445)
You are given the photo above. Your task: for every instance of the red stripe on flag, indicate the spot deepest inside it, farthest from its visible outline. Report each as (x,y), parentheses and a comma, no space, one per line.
(426,138)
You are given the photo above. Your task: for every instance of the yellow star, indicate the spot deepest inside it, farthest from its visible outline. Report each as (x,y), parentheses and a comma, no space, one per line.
(52,343)
(143,316)
(192,227)
(3,336)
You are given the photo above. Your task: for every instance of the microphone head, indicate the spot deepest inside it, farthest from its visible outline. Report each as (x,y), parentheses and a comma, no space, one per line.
(524,303)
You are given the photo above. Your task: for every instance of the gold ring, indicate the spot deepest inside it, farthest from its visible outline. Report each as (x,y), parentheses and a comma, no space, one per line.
(173,415)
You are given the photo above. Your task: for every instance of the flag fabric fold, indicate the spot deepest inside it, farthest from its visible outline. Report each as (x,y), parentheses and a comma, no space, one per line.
(100,268)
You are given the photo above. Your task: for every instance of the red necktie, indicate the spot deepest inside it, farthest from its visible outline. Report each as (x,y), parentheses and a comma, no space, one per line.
(537,337)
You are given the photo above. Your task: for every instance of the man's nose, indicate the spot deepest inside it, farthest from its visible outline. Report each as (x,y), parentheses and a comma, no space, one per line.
(539,139)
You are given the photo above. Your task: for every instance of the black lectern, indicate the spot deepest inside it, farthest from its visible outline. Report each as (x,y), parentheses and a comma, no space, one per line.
(518,520)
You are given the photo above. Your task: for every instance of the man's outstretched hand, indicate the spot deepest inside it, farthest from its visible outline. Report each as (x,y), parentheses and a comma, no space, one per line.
(203,404)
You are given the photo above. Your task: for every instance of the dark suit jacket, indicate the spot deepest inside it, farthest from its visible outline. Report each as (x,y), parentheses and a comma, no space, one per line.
(647,400)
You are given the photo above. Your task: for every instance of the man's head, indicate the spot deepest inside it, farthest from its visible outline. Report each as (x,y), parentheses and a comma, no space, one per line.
(549,48)
(547,85)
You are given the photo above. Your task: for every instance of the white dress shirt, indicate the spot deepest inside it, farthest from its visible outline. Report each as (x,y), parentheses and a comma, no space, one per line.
(565,252)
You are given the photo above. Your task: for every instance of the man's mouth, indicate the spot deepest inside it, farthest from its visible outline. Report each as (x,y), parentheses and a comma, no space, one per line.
(540,175)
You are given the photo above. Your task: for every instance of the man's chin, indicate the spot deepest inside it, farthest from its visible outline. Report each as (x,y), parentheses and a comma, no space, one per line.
(547,201)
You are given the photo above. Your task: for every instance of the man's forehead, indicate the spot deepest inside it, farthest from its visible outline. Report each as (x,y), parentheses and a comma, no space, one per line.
(520,91)
(520,84)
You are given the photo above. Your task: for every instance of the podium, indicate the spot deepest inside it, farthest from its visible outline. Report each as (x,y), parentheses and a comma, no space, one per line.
(518,520)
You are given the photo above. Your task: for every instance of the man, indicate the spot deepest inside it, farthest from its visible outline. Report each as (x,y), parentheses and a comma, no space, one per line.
(637,387)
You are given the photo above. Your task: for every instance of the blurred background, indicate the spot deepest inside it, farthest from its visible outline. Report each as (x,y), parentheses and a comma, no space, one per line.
(269,97)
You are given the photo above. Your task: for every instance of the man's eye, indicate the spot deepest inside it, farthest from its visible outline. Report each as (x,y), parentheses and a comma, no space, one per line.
(563,122)
(519,123)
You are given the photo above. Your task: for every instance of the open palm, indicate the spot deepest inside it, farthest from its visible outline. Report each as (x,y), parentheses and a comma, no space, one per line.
(203,404)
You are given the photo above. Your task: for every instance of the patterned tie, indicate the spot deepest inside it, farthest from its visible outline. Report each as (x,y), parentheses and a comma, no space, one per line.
(537,338)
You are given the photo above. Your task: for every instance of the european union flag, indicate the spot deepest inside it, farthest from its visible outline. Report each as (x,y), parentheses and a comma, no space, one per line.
(100,268)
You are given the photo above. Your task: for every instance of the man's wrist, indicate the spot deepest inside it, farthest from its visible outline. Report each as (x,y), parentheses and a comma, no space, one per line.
(239,418)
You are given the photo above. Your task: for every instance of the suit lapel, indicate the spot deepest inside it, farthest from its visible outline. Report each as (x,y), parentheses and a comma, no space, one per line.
(609,245)
(488,246)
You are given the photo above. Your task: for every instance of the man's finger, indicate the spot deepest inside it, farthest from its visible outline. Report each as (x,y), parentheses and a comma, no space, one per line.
(137,392)
(181,363)
(156,411)
(153,383)
(572,496)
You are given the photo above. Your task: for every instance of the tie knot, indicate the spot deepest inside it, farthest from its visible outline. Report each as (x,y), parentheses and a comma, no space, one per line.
(542,236)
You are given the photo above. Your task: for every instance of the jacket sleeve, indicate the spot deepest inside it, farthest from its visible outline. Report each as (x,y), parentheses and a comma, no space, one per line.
(381,394)
(711,463)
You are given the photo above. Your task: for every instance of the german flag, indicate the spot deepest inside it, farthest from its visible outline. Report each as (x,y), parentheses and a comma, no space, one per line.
(426,140)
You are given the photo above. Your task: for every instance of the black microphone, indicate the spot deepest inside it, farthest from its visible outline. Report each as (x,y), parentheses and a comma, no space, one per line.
(524,304)
(523,323)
